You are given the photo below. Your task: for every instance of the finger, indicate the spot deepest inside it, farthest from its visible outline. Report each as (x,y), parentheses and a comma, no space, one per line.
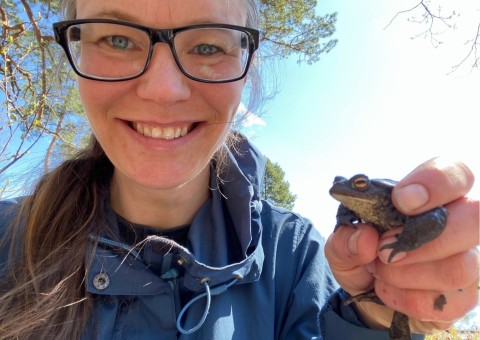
(435,306)
(348,251)
(455,272)
(350,247)
(461,233)
(432,184)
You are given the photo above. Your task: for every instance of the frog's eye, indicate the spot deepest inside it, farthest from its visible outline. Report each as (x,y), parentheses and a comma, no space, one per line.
(360,182)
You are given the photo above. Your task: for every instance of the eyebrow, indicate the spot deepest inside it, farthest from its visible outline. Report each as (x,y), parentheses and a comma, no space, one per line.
(114,14)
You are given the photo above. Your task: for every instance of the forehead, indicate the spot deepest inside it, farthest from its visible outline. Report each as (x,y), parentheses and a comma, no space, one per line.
(165,13)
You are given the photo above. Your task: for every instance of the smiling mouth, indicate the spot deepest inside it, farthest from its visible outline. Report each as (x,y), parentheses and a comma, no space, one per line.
(168,132)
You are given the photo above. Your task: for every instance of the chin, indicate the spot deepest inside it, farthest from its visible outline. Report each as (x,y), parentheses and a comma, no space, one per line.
(169,179)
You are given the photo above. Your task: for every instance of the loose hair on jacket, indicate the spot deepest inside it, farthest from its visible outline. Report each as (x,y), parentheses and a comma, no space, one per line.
(43,295)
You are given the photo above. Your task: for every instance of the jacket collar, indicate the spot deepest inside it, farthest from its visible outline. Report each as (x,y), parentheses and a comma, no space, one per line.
(224,238)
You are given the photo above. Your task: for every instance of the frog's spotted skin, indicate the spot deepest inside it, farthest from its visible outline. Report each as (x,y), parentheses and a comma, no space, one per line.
(369,201)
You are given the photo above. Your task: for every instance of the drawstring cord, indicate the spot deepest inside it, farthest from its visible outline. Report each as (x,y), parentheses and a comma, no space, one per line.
(208,293)
(173,274)
(205,312)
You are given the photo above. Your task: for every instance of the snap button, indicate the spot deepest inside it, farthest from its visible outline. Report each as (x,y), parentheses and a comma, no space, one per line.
(181,261)
(101,281)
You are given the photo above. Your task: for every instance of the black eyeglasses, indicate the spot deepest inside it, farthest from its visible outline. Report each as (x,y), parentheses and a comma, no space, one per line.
(112,50)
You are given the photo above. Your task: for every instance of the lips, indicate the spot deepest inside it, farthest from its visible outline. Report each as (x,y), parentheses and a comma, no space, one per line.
(159,132)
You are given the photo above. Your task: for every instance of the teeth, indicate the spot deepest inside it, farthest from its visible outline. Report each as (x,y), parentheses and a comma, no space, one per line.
(168,133)
(147,131)
(156,133)
(159,132)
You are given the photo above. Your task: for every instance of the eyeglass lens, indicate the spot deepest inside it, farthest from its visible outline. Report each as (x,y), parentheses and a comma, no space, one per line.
(114,51)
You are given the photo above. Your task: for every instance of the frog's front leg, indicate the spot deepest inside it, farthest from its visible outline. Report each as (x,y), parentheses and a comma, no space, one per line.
(345,216)
(418,230)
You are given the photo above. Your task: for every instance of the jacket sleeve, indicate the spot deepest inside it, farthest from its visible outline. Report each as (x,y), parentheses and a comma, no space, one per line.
(315,285)
(8,211)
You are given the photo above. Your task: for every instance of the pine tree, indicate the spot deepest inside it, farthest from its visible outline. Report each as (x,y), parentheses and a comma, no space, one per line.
(276,189)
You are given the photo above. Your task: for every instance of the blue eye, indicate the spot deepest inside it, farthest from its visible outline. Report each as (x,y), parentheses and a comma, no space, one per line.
(206,49)
(119,42)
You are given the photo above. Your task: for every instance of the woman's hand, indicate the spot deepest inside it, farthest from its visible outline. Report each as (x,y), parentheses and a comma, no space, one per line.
(413,282)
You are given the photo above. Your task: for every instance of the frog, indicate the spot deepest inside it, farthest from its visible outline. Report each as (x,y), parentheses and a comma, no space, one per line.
(365,200)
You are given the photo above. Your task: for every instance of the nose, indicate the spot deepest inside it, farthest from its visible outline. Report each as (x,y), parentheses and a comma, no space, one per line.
(163,81)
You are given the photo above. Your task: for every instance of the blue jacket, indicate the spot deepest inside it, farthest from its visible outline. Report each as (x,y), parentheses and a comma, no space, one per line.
(251,271)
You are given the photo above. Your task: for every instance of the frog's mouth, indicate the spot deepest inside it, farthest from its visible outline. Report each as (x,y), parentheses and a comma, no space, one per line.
(353,203)
(350,198)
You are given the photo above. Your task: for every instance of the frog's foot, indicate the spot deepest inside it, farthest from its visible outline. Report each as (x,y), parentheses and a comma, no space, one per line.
(418,230)
(369,296)
(399,329)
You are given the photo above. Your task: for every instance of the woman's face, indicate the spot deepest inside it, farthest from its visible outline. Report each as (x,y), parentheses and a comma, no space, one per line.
(135,120)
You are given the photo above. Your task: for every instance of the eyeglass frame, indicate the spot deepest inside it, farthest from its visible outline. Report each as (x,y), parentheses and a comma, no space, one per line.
(156,36)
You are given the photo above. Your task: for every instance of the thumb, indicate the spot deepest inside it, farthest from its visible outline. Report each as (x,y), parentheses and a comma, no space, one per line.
(351,247)
(348,251)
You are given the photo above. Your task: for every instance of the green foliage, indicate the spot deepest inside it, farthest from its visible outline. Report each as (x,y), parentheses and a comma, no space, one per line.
(39,93)
(276,189)
(292,26)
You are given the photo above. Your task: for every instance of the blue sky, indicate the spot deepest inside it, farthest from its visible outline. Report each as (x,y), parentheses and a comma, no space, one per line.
(380,103)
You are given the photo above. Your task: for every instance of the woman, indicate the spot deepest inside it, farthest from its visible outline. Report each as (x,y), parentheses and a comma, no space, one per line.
(158,230)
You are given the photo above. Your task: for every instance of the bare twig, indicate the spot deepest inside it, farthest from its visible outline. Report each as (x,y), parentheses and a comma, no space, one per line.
(20,154)
(430,18)
(402,12)
(475,44)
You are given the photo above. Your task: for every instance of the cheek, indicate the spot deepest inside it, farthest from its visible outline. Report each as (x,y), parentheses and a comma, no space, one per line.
(225,98)
(97,95)
(90,102)
(93,98)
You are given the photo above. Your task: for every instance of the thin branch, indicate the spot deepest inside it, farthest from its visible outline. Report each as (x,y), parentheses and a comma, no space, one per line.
(57,134)
(401,12)
(430,19)
(428,15)
(38,35)
(433,16)
(284,44)
(20,155)
(473,51)
(51,146)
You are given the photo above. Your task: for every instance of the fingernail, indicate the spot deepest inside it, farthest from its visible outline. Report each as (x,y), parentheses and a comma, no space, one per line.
(411,197)
(397,257)
(372,267)
(386,254)
(353,242)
